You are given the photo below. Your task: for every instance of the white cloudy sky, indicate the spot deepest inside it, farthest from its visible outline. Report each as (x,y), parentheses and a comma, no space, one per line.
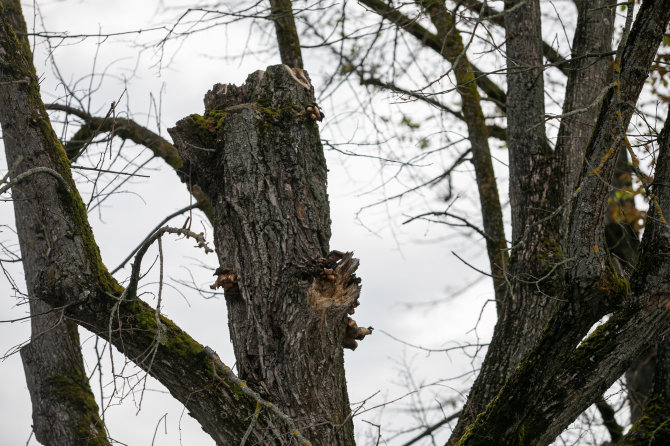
(400,265)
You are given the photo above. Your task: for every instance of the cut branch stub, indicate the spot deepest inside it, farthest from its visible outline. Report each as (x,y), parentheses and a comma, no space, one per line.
(257,154)
(336,285)
(335,289)
(225,278)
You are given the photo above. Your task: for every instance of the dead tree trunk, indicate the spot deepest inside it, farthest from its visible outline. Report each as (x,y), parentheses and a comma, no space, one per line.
(257,154)
(306,295)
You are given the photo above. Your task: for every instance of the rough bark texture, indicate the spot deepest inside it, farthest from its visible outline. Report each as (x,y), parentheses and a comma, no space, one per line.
(258,155)
(592,287)
(532,269)
(588,77)
(623,244)
(653,426)
(64,409)
(63,268)
(531,160)
(562,276)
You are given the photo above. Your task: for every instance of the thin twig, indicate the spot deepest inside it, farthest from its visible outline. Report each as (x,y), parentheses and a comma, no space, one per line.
(131,289)
(156,228)
(110,171)
(254,419)
(17,179)
(430,429)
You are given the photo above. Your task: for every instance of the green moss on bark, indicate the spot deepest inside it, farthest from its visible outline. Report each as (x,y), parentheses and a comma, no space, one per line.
(205,127)
(616,287)
(653,428)
(77,394)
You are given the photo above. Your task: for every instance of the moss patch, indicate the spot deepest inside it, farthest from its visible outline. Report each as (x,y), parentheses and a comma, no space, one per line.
(208,125)
(653,428)
(77,394)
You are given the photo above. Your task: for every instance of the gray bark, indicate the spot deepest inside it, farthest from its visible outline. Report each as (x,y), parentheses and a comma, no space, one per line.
(651,426)
(590,287)
(588,77)
(287,34)
(531,272)
(265,172)
(63,268)
(64,409)
(256,154)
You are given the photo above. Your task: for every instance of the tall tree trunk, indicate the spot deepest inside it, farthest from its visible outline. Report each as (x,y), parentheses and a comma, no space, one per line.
(64,409)
(64,269)
(532,271)
(258,155)
(589,74)
(590,287)
(651,409)
(286,32)
(489,201)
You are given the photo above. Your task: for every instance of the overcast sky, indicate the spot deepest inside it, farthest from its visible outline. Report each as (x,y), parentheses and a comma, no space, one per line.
(400,264)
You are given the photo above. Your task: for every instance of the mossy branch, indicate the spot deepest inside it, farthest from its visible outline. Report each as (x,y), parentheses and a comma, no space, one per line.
(454,50)
(74,278)
(126,129)
(217,364)
(123,128)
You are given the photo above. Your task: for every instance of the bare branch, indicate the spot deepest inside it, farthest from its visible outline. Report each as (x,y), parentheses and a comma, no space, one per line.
(494,130)
(153,231)
(123,128)
(131,289)
(432,41)
(28,173)
(287,34)
(485,12)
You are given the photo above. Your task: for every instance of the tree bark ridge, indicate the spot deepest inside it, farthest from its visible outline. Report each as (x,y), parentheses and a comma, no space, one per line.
(64,409)
(265,171)
(63,268)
